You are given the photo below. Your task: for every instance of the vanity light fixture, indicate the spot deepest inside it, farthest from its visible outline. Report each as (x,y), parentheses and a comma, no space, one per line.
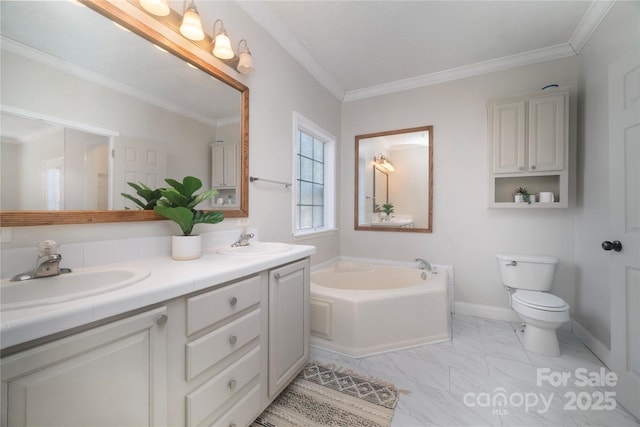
(156,7)
(191,26)
(245,61)
(384,163)
(221,43)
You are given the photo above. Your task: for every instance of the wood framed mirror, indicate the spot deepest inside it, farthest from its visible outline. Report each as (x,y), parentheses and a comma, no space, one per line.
(175,93)
(401,161)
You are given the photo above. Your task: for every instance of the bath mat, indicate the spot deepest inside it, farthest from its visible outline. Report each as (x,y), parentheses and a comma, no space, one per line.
(328,396)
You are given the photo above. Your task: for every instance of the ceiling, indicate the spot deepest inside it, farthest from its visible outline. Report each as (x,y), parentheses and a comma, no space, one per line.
(358,49)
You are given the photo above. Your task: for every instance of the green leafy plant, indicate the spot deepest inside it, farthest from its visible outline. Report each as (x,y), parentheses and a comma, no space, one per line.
(387,208)
(179,201)
(524,193)
(149,195)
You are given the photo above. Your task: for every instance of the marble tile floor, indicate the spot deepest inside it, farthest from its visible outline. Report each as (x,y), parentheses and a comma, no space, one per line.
(464,381)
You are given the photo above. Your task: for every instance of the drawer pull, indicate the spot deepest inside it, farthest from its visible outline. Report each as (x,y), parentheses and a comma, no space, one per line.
(233,425)
(233,339)
(232,384)
(161,320)
(233,301)
(276,275)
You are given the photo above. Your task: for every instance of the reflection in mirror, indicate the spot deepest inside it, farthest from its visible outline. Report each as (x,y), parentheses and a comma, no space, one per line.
(88,106)
(394,168)
(380,188)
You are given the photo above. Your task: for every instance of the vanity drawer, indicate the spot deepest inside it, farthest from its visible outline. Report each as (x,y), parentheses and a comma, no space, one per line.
(242,413)
(209,349)
(207,398)
(209,308)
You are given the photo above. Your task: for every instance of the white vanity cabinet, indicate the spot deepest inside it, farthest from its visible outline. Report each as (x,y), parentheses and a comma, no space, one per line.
(110,375)
(528,145)
(214,355)
(289,323)
(217,356)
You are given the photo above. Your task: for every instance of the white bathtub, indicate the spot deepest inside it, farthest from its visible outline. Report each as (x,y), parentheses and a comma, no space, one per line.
(360,309)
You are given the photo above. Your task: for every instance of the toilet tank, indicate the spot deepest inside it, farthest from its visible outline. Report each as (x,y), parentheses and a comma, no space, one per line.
(531,272)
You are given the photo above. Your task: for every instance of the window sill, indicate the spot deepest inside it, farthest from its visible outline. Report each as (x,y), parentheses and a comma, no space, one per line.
(304,235)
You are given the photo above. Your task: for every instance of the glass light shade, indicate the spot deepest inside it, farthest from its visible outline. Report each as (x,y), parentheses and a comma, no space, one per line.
(245,62)
(222,48)
(156,7)
(191,26)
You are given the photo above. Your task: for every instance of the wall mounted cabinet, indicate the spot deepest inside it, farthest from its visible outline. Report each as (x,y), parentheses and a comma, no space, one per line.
(529,147)
(224,173)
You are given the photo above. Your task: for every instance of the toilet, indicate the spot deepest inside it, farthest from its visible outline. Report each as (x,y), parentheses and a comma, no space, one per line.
(528,279)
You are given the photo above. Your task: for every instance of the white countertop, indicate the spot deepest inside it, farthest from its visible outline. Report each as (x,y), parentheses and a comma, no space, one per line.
(168,279)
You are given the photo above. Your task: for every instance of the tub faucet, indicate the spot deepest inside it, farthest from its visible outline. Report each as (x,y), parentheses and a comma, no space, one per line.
(47,264)
(244,239)
(423,264)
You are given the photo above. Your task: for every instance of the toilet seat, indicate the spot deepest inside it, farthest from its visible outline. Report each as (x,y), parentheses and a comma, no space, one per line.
(540,300)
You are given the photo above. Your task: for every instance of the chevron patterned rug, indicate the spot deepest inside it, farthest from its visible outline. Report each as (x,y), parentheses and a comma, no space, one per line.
(328,396)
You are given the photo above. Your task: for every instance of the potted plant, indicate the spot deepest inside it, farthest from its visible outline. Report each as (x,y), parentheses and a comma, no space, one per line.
(386,209)
(178,204)
(149,195)
(521,195)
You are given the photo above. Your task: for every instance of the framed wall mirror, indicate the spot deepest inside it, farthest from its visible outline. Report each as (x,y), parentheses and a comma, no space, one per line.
(88,106)
(394,180)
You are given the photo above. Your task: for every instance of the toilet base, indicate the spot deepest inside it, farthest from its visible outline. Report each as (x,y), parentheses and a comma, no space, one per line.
(541,341)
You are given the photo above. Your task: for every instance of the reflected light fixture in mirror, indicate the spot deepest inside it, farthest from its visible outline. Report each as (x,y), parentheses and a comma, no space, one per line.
(156,7)
(191,26)
(384,163)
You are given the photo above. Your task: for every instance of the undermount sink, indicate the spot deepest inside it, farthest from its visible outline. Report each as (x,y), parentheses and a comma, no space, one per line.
(256,248)
(66,287)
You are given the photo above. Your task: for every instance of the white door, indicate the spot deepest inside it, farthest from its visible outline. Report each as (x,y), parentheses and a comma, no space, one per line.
(624,158)
(137,161)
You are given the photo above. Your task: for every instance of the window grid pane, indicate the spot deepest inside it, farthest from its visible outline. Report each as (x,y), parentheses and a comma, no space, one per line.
(310,177)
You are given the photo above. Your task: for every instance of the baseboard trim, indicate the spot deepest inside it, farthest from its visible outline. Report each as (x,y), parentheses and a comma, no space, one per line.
(486,311)
(594,344)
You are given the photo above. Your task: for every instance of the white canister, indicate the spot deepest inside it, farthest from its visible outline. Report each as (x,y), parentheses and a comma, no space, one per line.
(547,197)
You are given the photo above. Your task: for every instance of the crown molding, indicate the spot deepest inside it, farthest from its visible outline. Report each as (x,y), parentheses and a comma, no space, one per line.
(265,18)
(499,64)
(85,74)
(590,21)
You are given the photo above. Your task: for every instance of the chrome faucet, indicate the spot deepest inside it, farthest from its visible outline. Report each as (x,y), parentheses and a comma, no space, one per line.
(244,239)
(423,264)
(47,264)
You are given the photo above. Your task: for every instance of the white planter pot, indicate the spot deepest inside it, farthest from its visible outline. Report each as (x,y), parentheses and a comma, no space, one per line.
(518,198)
(184,248)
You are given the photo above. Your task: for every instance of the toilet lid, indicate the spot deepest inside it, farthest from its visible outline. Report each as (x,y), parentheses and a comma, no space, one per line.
(540,300)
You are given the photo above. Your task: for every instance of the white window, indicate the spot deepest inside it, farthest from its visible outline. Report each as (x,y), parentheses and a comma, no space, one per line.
(314,182)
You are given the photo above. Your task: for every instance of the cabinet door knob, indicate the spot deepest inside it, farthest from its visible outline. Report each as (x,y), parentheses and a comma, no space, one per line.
(521,168)
(160,321)
(232,384)
(533,167)
(233,339)
(233,301)
(233,425)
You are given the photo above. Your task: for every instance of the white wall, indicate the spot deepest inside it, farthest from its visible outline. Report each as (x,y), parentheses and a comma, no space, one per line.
(616,36)
(466,234)
(277,88)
